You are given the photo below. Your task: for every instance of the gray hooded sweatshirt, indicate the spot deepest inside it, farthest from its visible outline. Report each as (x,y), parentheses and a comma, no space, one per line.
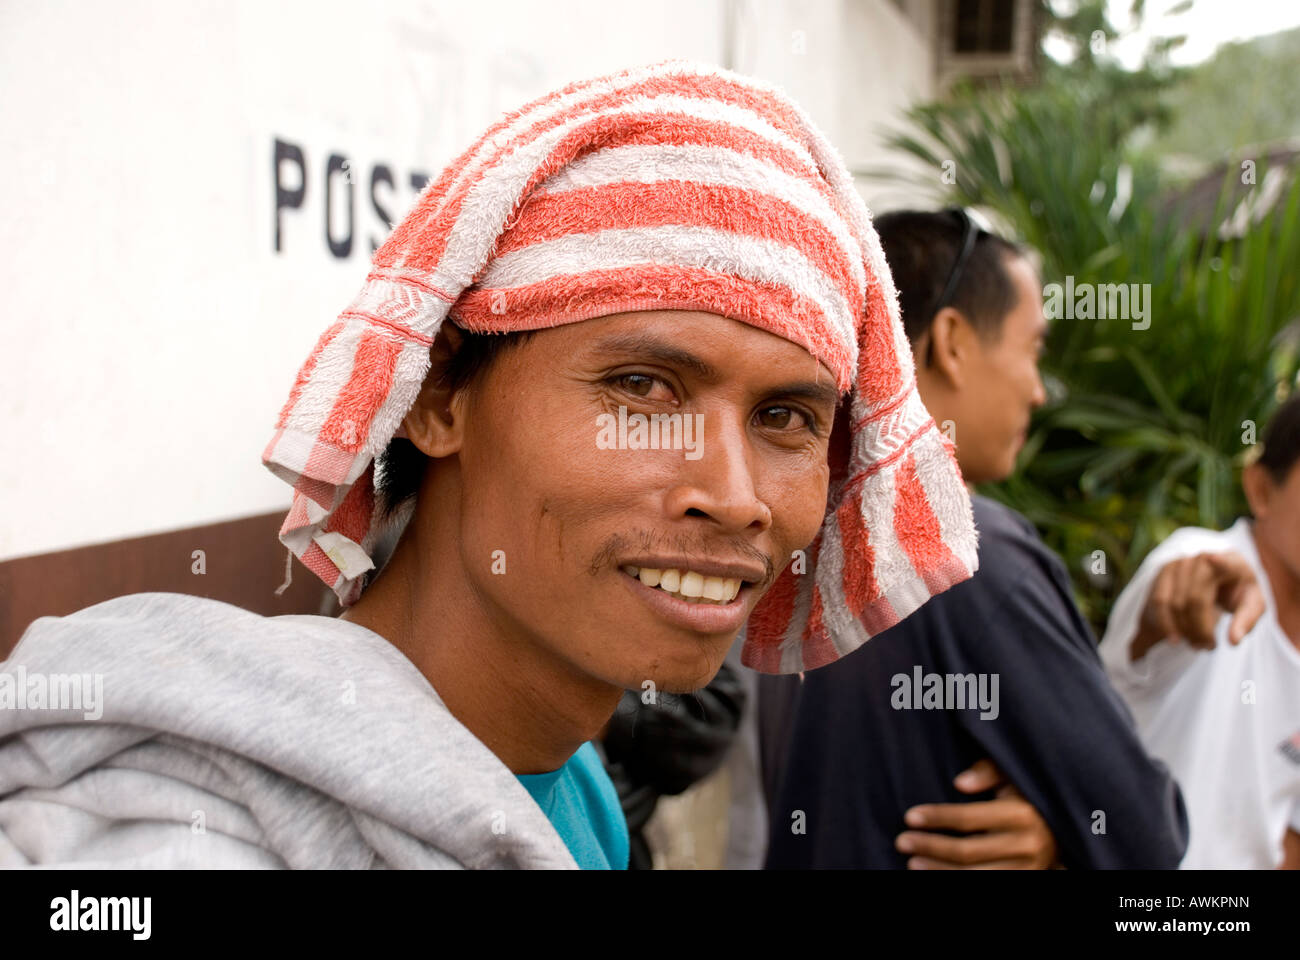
(192,733)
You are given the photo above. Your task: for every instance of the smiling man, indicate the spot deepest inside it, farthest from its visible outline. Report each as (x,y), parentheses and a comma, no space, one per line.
(668,553)
(672,240)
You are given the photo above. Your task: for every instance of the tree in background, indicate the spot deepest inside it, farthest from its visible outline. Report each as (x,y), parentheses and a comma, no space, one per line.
(1152,411)
(1246,93)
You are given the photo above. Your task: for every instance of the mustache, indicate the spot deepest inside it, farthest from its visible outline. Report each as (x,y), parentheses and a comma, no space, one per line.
(649,541)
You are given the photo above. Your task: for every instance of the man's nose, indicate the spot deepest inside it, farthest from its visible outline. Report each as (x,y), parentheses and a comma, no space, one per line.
(720,485)
(1040,391)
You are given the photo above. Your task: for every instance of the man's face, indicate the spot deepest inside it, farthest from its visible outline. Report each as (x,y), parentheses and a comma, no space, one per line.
(1001,386)
(1276,508)
(545,482)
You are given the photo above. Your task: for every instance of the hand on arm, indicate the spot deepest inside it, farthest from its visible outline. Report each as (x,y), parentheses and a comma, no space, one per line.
(1006,833)
(1187,597)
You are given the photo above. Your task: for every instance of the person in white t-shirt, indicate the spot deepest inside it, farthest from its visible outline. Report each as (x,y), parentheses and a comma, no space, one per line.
(1204,644)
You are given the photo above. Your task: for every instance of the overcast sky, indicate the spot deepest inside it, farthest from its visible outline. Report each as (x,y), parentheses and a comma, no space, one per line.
(1207,25)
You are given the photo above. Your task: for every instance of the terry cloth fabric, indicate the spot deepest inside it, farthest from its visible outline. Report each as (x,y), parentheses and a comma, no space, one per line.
(223,739)
(674,186)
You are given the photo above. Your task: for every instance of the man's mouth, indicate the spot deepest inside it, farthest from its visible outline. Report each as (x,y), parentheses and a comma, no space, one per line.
(689,585)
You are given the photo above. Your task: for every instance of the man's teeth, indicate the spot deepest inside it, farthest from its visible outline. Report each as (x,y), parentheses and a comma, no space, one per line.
(688,585)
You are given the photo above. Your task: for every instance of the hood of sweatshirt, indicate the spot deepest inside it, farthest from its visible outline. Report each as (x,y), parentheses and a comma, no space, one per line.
(206,735)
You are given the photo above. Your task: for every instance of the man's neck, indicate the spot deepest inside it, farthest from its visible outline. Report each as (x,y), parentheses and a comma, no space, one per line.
(1283,585)
(527,706)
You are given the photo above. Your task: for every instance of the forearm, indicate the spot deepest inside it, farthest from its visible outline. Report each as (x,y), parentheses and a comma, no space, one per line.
(1290,851)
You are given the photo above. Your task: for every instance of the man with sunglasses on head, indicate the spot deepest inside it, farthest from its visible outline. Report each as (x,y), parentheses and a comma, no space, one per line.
(999,674)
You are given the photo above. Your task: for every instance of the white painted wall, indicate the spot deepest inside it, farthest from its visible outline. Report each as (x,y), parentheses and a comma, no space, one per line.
(886,64)
(149,331)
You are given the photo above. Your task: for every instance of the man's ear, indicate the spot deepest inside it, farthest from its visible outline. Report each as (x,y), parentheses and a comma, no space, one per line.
(951,340)
(1258,487)
(436,420)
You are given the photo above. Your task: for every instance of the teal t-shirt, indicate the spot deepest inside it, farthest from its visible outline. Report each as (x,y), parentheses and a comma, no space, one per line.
(580,801)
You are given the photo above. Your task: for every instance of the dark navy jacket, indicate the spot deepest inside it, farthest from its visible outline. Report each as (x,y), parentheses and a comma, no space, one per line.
(851,758)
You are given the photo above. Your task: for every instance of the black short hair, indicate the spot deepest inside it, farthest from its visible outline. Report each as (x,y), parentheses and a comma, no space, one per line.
(921,248)
(1282,439)
(400,468)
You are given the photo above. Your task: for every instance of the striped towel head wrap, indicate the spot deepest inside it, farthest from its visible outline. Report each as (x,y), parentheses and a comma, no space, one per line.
(674,186)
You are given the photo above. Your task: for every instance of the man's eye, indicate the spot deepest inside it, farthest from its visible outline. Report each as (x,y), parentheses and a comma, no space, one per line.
(783,418)
(644,386)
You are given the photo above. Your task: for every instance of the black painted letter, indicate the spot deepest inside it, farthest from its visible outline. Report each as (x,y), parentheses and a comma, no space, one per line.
(287,198)
(338,164)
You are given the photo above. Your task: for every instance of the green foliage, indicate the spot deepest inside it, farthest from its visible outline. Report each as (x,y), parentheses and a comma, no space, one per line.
(1143,432)
(1240,94)
(1132,96)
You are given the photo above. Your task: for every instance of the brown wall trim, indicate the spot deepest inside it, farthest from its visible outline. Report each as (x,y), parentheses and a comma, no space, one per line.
(243,563)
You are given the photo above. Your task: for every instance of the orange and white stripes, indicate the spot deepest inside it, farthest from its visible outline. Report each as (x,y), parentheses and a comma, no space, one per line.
(674,186)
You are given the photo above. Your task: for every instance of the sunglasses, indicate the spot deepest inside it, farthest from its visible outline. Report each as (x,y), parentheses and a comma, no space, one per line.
(970,234)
